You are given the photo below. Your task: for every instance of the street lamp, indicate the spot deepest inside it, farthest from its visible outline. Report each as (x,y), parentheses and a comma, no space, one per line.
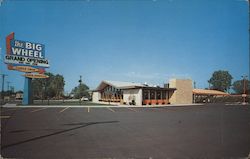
(80,81)
(244,95)
(79,88)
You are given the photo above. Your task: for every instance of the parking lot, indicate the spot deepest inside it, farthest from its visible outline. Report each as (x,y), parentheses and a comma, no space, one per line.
(205,131)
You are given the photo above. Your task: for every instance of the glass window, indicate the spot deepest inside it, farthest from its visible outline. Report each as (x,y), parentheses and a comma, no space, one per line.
(163,94)
(145,94)
(152,94)
(158,95)
(119,91)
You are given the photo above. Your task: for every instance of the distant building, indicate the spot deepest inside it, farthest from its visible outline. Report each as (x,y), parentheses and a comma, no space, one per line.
(116,92)
(207,96)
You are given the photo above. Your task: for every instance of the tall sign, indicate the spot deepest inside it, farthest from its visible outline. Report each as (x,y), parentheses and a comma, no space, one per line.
(26,57)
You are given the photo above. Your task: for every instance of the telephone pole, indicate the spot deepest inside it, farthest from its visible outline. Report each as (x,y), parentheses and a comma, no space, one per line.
(2,93)
(8,85)
(3,77)
(244,95)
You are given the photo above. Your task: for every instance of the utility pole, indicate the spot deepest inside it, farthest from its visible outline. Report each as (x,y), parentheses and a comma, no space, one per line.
(8,85)
(2,93)
(8,88)
(12,89)
(3,77)
(244,95)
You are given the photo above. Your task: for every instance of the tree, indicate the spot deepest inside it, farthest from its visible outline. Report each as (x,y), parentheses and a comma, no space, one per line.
(38,86)
(238,86)
(49,87)
(57,84)
(81,91)
(221,80)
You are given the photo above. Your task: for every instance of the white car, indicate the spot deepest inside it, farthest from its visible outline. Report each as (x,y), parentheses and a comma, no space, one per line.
(84,99)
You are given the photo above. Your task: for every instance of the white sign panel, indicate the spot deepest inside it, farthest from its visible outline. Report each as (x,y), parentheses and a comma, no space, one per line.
(12,59)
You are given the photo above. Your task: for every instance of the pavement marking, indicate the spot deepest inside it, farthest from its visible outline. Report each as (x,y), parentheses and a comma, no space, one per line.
(110,109)
(64,109)
(4,117)
(131,109)
(8,110)
(38,110)
(88,109)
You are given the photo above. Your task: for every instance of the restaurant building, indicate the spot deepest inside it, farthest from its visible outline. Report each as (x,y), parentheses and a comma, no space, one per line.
(130,93)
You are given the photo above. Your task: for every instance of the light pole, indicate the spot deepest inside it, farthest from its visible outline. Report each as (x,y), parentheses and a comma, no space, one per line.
(244,89)
(79,88)
(80,81)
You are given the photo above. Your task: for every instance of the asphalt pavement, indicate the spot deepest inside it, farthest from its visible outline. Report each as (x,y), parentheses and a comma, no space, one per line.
(206,131)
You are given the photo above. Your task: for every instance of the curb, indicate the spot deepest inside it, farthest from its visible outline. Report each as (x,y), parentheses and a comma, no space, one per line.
(99,106)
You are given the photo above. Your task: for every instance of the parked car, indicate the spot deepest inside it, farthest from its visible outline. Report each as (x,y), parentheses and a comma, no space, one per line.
(84,99)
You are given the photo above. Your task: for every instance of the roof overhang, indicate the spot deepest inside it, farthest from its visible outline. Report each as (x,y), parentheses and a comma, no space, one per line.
(104,84)
(159,88)
(101,86)
(208,92)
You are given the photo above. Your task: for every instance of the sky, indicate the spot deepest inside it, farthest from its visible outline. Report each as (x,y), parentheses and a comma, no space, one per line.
(131,40)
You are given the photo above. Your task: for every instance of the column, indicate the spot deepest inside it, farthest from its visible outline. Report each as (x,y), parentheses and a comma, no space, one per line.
(27,92)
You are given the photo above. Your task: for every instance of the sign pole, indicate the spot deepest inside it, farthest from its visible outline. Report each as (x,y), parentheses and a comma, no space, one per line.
(27,94)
